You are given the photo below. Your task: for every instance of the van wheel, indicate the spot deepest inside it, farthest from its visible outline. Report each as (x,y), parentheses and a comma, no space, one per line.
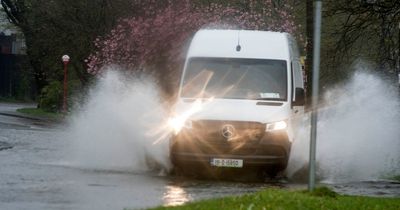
(267,174)
(273,172)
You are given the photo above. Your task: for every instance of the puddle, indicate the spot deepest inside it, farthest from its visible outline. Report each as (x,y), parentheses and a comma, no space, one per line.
(376,188)
(5,146)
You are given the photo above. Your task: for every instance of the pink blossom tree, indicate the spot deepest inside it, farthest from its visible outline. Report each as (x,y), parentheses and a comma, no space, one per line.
(156,40)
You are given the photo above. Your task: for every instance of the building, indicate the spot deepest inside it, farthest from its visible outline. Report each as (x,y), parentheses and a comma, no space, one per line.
(16,76)
(12,44)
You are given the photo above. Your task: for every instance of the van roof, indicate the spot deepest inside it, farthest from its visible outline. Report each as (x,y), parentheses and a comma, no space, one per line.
(253,44)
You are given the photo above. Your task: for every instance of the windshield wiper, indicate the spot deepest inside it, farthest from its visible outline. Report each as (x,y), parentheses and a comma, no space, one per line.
(269,99)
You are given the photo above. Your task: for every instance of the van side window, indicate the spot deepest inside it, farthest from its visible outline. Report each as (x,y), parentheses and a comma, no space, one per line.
(298,80)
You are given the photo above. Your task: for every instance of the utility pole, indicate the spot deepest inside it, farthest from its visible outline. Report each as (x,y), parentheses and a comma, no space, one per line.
(398,58)
(315,93)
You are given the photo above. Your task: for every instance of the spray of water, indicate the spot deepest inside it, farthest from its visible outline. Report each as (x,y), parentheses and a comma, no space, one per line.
(121,126)
(358,132)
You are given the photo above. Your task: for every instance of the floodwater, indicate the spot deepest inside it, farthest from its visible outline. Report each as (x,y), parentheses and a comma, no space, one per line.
(99,159)
(35,174)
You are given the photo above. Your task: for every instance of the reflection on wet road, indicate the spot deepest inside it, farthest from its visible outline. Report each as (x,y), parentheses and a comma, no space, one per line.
(175,195)
(181,190)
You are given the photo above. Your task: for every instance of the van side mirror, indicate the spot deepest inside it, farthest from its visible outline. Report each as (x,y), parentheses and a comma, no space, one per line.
(300,97)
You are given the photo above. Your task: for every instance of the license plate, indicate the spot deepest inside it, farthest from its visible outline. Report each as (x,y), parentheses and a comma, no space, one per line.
(229,163)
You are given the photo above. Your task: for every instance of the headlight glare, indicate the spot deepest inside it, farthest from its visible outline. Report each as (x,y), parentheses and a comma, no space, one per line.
(177,123)
(280,125)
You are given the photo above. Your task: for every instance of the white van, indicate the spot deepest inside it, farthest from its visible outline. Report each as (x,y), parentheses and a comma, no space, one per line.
(240,95)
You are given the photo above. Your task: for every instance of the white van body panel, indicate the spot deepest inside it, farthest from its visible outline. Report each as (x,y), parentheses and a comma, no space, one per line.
(236,110)
(254,44)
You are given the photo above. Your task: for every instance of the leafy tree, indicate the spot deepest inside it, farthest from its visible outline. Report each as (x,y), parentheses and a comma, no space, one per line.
(309,48)
(155,40)
(153,37)
(366,29)
(54,28)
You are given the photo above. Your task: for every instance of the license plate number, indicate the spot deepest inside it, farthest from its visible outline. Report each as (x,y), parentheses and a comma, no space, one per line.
(229,163)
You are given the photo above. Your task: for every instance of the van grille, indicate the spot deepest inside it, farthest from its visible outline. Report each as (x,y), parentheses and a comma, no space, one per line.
(209,138)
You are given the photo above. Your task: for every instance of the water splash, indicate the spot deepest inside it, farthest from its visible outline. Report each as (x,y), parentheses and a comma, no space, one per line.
(358,132)
(121,126)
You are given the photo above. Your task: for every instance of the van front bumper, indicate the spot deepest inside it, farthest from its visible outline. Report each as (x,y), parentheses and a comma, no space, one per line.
(272,149)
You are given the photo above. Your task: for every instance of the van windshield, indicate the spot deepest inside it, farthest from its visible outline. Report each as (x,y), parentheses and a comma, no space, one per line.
(235,78)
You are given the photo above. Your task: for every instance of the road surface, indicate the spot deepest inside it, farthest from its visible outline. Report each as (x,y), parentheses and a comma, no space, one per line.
(36,175)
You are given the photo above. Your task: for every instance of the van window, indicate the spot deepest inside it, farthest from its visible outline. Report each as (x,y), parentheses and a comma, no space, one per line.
(235,78)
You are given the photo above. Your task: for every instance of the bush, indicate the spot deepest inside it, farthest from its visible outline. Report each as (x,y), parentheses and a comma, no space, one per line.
(51,97)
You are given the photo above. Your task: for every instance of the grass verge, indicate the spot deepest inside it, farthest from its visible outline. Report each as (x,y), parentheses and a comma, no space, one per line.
(37,112)
(322,198)
(396,178)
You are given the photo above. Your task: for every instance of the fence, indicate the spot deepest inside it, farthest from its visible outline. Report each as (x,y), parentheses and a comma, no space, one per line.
(16,77)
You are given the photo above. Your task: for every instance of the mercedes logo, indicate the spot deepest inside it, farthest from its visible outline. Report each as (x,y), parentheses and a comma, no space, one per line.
(228,131)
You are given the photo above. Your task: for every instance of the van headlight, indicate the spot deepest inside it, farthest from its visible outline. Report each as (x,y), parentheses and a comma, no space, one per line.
(275,126)
(177,123)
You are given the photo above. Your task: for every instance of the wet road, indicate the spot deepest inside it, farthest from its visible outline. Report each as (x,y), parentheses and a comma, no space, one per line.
(34,174)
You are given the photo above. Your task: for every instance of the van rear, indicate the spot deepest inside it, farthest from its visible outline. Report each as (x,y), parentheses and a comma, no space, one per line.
(239,98)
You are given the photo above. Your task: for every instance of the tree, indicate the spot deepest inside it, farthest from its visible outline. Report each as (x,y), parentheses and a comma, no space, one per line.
(365,29)
(309,48)
(54,28)
(154,41)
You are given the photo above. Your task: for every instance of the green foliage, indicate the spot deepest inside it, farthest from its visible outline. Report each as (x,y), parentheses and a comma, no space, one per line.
(51,97)
(323,192)
(351,30)
(285,199)
(354,30)
(55,28)
(395,178)
(76,93)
